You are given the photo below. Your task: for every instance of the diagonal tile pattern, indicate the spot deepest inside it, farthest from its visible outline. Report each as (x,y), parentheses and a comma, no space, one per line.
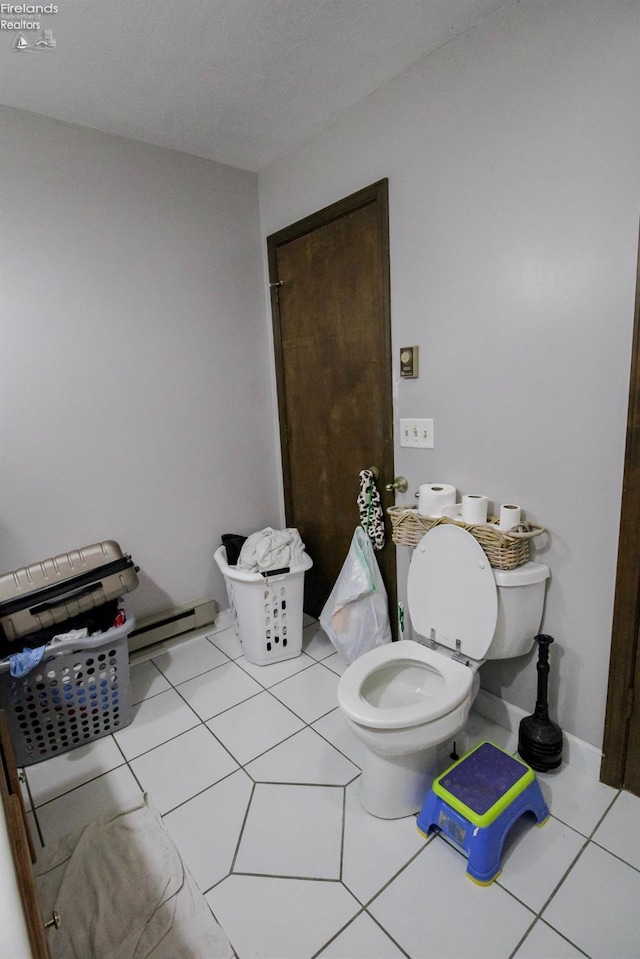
(188,777)
(292,830)
(362,939)
(254,726)
(310,694)
(280,918)
(375,850)
(257,778)
(219,689)
(596,915)
(304,758)
(619,831)
(207,827)
(433,891)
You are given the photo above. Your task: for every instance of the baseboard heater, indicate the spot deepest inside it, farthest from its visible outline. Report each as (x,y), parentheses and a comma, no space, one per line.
(168,624)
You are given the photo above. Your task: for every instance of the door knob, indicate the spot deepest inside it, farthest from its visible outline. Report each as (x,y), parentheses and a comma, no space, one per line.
(400,485)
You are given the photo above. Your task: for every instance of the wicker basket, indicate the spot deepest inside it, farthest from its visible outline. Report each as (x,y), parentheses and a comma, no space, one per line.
(504,550)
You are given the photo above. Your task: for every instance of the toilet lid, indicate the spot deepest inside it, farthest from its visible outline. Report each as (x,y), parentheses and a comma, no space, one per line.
(451,589)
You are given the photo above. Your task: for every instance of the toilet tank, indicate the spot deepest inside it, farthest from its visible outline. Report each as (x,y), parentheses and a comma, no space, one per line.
(520,605)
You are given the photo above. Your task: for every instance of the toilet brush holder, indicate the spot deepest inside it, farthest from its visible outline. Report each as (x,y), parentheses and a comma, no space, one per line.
(539,738)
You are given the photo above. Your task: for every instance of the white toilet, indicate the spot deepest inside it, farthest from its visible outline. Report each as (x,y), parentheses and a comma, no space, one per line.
(406,699)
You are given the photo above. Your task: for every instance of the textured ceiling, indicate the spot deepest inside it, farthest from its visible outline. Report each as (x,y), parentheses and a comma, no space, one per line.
(238,81)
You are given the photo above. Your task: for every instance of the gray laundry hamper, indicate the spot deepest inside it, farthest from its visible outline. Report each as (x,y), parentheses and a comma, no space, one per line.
(267,609)
(80,691)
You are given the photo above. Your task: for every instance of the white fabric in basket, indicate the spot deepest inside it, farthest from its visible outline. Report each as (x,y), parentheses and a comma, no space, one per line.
(271,549)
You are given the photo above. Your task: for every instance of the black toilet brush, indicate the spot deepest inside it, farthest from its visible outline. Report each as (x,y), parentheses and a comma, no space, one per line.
(539,738)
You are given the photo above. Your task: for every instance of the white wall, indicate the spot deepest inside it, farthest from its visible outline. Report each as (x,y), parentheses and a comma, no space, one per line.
(134,370)
(512,158)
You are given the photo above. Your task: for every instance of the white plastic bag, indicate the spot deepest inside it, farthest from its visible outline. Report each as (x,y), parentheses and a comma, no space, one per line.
(356,615)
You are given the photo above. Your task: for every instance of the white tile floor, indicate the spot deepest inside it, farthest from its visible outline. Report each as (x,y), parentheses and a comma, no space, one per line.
(257,779)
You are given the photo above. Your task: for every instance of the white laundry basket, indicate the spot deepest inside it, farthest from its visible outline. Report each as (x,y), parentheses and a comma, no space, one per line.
(267,609)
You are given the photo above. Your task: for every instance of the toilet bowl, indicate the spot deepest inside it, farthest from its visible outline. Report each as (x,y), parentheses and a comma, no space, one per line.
(401,701)
(407,701)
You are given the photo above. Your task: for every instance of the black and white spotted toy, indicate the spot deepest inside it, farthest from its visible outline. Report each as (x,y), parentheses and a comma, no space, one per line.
(370,508)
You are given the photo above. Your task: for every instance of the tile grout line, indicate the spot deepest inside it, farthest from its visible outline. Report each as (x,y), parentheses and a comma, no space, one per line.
(342,831)
(126,762)
(241,832)
(336,934)
(275,745)
(572,865)
(538,919)
(387,933)
(33,808)
(615,855)
(368,902)
(514,951)
(562,936)
(539,915)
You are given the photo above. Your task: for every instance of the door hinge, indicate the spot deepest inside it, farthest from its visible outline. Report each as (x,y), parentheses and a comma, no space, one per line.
(276,286)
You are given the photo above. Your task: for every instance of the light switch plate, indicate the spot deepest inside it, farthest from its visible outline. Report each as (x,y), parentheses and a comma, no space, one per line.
(417,433)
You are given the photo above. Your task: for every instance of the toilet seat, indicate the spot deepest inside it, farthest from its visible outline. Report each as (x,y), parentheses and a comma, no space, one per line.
(454,687)
(451,591)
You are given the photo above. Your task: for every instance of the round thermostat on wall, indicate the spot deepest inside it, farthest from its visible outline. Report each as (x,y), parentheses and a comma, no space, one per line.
(409,362)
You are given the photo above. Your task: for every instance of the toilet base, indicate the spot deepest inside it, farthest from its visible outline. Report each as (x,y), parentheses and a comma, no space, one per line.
(396,786)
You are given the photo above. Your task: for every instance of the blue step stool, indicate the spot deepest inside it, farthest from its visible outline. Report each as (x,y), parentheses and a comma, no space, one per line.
(477,800)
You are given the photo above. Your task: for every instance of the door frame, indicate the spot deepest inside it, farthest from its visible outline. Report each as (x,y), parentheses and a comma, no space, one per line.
(375,193)
(626,614)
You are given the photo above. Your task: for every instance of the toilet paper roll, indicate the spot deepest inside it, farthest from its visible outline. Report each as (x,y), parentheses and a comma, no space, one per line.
(433,497)
(510,516)
(474,508)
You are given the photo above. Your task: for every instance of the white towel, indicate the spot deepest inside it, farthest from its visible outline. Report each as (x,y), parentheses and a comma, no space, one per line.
(271,549)
(123,892)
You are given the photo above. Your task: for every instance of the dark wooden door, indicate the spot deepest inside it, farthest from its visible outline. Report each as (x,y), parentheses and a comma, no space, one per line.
(631,777)
(21,843)
(332,336)
(621,749)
